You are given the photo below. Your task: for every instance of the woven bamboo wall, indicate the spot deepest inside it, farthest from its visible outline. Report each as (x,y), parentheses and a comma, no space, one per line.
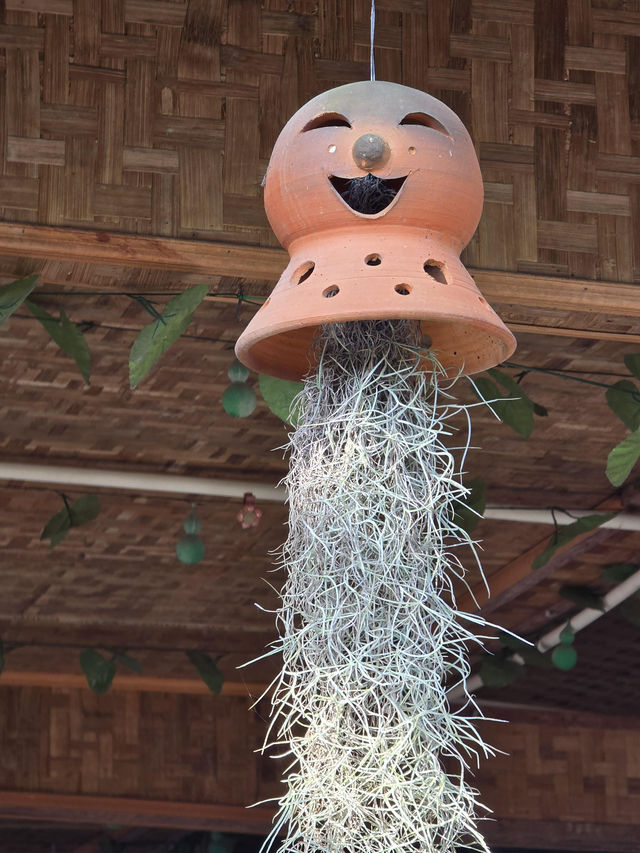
(151,746)
(174,419)
(200,750)
(159,117)
(563,770)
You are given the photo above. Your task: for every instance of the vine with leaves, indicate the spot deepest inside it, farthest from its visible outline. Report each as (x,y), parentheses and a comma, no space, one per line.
(99,665)
(502,393)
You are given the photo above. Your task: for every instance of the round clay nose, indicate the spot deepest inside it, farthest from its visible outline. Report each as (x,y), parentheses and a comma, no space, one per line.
(370,151)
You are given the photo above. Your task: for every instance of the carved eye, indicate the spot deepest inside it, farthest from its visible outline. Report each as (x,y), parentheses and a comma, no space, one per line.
(326,120)
(425,120)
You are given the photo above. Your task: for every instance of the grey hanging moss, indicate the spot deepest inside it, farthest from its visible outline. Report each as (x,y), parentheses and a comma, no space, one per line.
(368,628)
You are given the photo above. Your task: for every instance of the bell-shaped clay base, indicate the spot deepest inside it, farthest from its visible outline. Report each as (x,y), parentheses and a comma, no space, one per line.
(391,273)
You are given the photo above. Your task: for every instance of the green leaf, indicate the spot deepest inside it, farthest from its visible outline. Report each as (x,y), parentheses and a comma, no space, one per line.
(57,528)
(496,672)
(85,509)
(630,610)
(582,596)
(99,671)
(469,511)
(156,338)
(623,404)
(618,572)
(208,669)
(1,655)
(279,394)
(12,295)
(128,661)
(515,410)
(564,535)
(515,390)
(632,363)
(622,458)
(508,383)
(67,335)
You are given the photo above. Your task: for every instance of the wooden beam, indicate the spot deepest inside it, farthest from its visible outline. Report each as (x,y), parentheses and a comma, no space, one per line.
(518,576)
(58,278)
(562,835)
(562,718)
(561,332)
(128,683)
(49,631)
(559,294)
(84,810)
(238,259)
(79,809)
(135,250)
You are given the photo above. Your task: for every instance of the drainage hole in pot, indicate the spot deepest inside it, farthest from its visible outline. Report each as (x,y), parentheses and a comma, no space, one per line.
(330,292)
(373,260)
(482,301)
(436,270)
(402,289)
(303,272)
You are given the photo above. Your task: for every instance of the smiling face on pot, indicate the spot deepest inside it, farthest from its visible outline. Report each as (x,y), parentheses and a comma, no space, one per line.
(402,147)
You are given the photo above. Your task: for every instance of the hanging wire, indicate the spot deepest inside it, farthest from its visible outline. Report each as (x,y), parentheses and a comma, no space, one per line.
(89,325)
(372,62)
(566,374)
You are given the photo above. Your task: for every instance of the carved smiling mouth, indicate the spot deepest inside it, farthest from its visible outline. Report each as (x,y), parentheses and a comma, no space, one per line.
(368,194)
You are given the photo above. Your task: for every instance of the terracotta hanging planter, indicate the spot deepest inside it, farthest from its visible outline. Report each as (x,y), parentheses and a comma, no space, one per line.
(374,249)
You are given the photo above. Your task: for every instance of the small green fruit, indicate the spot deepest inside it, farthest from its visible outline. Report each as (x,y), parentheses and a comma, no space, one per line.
(190,549)
(239,400)
(192,523)
(238,372)
(564,656)
(567,635)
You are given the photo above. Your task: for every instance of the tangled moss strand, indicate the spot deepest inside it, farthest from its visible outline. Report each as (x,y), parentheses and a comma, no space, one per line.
(368,628)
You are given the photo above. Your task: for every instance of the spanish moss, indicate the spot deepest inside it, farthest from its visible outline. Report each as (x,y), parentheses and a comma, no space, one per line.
(369,194)
(368,628)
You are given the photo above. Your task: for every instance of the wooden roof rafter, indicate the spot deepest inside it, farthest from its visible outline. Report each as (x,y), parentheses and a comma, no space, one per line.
(523,292)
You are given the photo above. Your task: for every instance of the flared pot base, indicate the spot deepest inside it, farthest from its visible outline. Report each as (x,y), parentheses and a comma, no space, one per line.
(351,276)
